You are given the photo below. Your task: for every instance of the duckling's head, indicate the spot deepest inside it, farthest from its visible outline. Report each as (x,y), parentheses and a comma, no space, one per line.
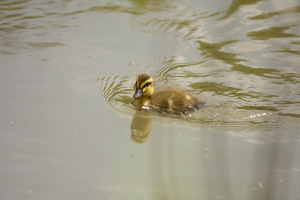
(143,85)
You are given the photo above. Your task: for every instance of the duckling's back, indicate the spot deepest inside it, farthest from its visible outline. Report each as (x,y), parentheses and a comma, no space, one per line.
(175,101)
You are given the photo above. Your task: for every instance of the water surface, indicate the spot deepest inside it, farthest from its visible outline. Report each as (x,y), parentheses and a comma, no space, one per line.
(68,129)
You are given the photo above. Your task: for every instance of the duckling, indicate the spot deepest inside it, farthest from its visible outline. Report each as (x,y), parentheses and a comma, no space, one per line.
(168,100)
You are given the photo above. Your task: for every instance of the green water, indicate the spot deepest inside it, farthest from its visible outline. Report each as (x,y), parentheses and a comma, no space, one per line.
(68,129)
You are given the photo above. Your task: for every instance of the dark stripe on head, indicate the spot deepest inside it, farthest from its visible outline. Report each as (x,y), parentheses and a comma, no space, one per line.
(141,78)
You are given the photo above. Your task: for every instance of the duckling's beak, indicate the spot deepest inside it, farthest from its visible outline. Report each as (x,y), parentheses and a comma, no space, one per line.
(138,93)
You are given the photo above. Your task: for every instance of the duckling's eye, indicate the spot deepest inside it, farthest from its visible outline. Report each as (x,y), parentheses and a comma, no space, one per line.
(147,84)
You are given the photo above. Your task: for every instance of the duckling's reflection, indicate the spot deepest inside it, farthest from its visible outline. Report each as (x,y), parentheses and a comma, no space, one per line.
(140,127)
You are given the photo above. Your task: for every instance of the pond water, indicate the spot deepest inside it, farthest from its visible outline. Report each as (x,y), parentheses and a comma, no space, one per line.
(68,129)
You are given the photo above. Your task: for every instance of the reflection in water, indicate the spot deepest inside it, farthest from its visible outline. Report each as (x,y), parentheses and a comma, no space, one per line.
(170,64)
(221,89)
(140,127)
(267,73)
(287,50)
(236,5)
(109,9)
(266,15)
(212,50)
(272,32)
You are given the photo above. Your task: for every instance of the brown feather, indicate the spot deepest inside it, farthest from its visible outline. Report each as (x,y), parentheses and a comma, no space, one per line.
(168,100)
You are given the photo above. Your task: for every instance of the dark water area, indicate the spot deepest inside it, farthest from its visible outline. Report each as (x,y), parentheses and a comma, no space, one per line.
(68,129)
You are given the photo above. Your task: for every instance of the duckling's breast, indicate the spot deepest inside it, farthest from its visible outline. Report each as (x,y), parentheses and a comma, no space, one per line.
(142,103)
